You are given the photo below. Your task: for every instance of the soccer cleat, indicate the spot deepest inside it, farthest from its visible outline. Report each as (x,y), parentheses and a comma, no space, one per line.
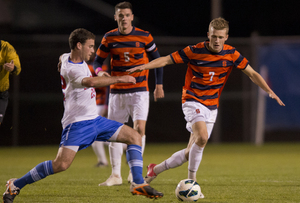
(11,191)
(201,196)
(111,181)
(145,189)
(150,173)
(129,179)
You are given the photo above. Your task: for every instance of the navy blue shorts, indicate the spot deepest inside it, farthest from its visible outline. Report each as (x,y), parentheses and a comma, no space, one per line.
(84,133)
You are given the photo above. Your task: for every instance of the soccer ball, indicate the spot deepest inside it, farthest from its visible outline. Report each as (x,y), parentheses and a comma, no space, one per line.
(188,190)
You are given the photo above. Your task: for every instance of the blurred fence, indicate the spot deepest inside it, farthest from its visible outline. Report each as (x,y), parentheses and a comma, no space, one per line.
(36,108)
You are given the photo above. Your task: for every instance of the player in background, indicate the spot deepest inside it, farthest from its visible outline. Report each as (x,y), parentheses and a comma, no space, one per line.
(101,101)
(9,65)
(209,65)
(81,123)
(128,47)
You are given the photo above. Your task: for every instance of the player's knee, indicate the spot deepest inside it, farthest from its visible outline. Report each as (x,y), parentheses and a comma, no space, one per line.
(140,129)
(61,166)
(202,139)
(134,138)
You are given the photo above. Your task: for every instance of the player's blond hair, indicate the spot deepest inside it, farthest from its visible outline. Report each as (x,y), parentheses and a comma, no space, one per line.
(219,24)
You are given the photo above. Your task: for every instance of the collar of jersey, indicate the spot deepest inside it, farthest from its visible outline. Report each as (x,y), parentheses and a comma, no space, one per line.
(73,62)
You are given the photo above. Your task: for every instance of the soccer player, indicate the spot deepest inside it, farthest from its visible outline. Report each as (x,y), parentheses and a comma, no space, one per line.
(81,123)
(9,65)
(128,47)
(209,65)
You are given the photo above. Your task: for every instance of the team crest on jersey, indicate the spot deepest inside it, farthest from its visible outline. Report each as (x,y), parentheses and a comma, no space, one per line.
(197,110)
(224,63)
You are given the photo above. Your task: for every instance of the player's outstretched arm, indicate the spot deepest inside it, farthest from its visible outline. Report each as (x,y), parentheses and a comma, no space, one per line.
(156,63)
(102,81)
(258,80)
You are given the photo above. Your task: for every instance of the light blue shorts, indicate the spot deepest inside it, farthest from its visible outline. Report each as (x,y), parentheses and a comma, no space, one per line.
(84,133)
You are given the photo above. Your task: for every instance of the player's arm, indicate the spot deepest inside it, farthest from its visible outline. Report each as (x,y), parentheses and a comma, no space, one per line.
(101,54)
(102,81)
(13,62)
(258,80)
(156,63)
(158,91)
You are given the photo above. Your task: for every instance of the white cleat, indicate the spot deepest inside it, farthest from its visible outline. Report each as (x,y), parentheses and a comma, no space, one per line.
(111,181)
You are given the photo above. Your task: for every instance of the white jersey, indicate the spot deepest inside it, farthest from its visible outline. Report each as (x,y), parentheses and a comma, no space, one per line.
(79,101)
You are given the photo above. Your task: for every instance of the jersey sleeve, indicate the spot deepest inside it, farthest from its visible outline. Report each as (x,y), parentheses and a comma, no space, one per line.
(181,56)
(239,61)
(76,76)
(101,54)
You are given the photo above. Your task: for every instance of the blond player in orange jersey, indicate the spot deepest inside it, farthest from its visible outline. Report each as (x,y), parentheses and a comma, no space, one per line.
(209,65)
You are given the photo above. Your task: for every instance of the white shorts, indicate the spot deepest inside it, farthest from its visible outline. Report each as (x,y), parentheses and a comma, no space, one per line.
(121,106)
(195,111)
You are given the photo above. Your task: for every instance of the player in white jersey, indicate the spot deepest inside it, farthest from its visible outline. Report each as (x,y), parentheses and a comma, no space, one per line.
(81,123)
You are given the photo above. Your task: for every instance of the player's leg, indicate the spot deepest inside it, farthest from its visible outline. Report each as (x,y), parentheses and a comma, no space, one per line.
(196,150)
(202,132)
(116,111)
(99,150)
(140,127)
(135,161)
(62,162)
(139,109)
(139,112)
(175,160)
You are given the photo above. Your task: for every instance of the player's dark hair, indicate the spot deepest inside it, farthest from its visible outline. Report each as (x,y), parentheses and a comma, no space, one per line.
(79,35)
(123,5)
(219,24)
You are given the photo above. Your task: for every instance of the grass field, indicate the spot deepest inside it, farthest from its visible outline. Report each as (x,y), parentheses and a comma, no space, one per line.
(232,173)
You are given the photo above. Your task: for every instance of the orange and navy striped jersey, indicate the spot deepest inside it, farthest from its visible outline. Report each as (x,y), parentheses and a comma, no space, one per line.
(101,92)
(207,72)
(128,51)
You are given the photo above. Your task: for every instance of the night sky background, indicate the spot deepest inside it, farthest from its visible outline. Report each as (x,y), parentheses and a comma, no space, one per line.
(160,17)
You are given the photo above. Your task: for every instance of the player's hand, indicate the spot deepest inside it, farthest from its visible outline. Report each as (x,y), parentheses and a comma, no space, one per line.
(103,73)
(126,79)
(274,96)
(158,92)
(9,66)
(135,69)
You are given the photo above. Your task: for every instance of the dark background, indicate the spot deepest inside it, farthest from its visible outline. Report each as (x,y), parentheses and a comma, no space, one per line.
(169,18)
(39,32)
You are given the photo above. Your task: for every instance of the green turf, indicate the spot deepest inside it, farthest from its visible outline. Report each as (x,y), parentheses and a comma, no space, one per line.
(234,173)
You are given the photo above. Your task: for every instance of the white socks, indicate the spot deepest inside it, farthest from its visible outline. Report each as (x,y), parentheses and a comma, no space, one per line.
(99,150)
(177,159)
(195,158)
(115,154)
(143,144)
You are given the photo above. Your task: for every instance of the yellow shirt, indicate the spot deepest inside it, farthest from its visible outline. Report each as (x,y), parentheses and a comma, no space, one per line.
(7,54)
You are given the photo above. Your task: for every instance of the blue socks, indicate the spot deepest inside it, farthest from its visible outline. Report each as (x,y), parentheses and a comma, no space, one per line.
(39,172)
(135,162)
